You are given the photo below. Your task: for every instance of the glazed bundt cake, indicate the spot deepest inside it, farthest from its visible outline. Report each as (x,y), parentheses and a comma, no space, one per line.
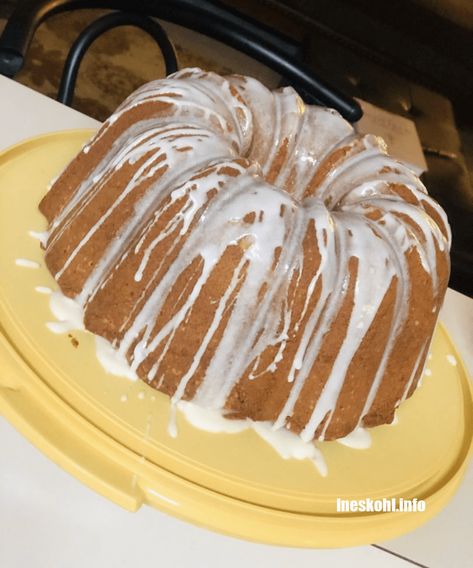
(252,253)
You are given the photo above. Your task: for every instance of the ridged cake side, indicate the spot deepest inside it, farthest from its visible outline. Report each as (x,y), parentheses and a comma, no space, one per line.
(252,253)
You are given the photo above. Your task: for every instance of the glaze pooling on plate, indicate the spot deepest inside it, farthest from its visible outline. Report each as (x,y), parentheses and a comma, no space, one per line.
(287,444)
(27,263)
(253,254)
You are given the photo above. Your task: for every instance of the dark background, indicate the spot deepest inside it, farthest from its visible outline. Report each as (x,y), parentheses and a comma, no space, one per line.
(411,57)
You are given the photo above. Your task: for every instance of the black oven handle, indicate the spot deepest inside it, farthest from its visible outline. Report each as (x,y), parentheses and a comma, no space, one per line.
(208,17)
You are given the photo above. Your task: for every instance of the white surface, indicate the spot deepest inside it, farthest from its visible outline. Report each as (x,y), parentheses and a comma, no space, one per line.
(48,519)
(20,118)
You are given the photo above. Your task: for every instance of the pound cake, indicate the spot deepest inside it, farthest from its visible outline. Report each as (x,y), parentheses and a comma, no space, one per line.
(252,253)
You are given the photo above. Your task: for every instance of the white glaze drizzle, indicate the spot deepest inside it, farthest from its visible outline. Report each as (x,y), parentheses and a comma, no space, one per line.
(67,311)
(42,237)
(208,116)
(26,263)
(43,290)
(452,360)
(111,360)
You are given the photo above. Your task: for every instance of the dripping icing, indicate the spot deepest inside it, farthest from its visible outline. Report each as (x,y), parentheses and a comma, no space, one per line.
(351,189)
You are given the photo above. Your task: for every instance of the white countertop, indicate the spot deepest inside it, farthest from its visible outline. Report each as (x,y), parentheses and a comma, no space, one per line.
(48,519)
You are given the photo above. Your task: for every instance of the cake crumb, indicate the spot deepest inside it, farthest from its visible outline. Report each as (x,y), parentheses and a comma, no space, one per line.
(428,373)
(74,341)
(141,395)
(123,398)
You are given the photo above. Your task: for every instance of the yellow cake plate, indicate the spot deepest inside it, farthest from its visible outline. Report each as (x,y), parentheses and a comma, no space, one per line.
(111,433)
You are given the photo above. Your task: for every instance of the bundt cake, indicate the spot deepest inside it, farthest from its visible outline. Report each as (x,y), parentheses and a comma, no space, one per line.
(252,253)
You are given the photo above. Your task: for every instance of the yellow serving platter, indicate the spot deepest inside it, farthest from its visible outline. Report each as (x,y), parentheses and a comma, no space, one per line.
(112,433)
